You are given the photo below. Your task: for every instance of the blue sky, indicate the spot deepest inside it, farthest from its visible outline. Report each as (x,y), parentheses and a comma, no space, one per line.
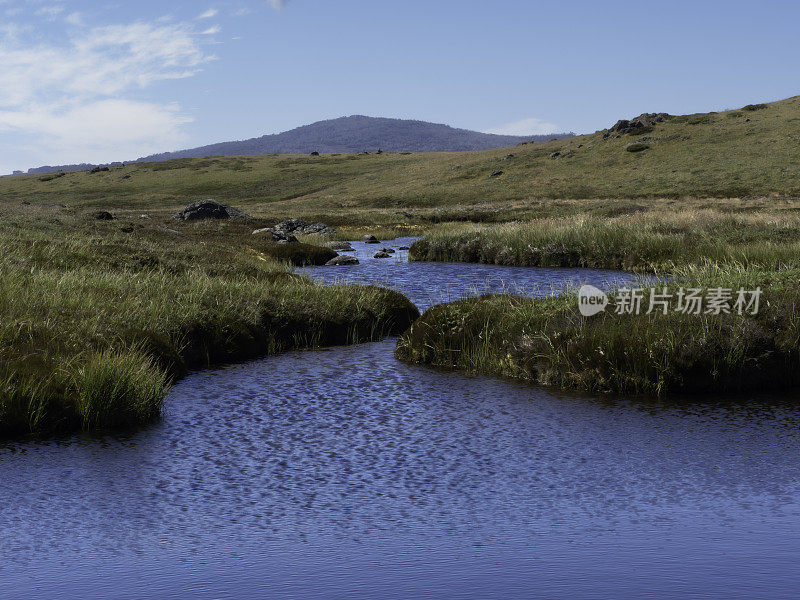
(94,81)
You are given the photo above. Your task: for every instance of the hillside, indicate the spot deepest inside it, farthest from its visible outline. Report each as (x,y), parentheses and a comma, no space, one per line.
(742,153)
(358,133)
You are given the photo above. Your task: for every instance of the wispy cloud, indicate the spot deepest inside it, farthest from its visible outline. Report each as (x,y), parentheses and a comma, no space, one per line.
(529,126)
(278,4)
(212,30)
(75,99)
(209,14)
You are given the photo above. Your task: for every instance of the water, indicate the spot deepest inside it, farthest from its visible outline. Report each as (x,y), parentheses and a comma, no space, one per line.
(345,474)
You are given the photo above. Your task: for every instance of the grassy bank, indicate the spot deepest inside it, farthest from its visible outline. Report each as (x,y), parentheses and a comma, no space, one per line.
(548,341)
(99,316)
(649,240)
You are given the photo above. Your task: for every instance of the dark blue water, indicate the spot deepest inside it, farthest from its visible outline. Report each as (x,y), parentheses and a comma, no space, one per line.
(345,474)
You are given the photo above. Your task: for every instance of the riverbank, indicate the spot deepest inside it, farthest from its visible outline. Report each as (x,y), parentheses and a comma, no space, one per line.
(549,342)
(657,239)
(100,316)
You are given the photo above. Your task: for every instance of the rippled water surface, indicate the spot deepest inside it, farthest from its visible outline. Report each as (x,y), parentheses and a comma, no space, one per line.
(342,473)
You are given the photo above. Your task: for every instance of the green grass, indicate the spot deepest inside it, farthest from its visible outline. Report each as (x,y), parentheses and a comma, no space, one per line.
(549,342)
(643,241)
(96,322)
(720,156)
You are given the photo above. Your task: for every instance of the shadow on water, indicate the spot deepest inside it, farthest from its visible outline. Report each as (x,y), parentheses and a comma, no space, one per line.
(344,473)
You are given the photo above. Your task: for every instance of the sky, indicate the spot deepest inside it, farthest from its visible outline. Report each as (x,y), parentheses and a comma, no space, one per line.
(95,81)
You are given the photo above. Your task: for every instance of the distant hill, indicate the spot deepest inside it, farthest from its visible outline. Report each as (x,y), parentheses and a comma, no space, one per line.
(356,134)
(345,134)
(748,153)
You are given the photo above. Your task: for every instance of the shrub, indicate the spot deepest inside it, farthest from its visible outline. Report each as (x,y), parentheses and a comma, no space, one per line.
(637,147)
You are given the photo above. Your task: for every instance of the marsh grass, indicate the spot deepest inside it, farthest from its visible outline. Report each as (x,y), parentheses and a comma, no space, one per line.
(642,241)
(97,322)
(546,340)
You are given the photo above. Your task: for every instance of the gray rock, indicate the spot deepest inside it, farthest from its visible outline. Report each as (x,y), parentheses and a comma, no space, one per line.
(496,174)
(382,254)
(339,246)
(370,239)
(388,250)
(300,227)
(342,260)
(404,248)
(209,209)
(277,236)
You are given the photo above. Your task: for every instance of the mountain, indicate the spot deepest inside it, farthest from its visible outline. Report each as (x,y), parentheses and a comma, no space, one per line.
(359,133)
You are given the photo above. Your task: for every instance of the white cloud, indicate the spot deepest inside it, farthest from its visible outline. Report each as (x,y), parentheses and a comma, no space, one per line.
(529,126)
(71,101)
(212,30)
(209,14)
(92,131)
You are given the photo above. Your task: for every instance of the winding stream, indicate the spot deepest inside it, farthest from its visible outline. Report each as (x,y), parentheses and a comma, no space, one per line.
(344,473)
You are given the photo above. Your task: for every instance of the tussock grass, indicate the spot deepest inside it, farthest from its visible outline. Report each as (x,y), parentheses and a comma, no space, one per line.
(96,322)
(547,340)
(642,241)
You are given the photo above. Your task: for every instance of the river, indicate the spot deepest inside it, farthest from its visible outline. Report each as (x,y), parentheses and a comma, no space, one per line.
(343,473)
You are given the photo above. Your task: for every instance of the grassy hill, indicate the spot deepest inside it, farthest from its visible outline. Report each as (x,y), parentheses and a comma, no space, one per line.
(734,154)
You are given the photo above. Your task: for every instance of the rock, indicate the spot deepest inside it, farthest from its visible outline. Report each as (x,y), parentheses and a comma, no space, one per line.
(126,177)
(209,209)
(300,227)
(387,250)
(370,239)
(103,215)
(341,260)
(126,229)
(144,216)
(637,124)
(98,170)
(555,154)
(379,151)
(496,174)
(381,254)
(319,229)
(508,157)
(315,153)
(404,248)
(338,246)
(277,236)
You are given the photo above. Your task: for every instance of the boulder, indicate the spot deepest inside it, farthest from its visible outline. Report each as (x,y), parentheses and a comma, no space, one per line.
(300,227)
(388,250)
(315,153)
(370,239)
(637,124)
(404,248)
(339,246)
(103,215)
(496,174)
(98,170)
(381,254)
(341,260)
(277,236)
(209,209)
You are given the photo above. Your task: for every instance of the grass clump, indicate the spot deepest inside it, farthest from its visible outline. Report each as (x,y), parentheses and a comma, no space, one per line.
(640,241)
(546,340)
(96,322)
(637,147)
